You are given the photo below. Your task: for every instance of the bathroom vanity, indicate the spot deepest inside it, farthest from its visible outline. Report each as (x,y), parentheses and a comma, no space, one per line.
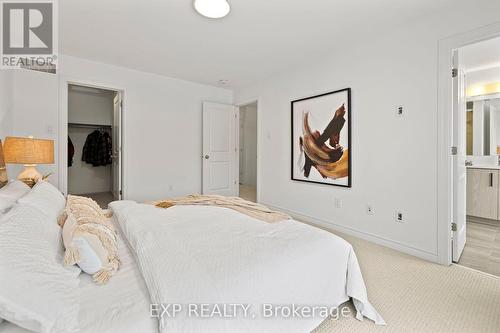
(483,157)
(483,197)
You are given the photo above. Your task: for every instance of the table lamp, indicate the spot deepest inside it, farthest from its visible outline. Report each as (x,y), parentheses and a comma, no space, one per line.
(30,152)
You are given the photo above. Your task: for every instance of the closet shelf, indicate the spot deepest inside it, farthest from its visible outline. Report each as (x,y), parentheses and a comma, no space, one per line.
(95,126)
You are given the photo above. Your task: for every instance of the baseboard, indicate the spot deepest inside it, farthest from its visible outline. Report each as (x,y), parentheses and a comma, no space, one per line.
(359,234)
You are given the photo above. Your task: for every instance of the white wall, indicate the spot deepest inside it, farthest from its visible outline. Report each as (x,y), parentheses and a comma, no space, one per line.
(248,145)
(6,86)
(88,108)
(484,76)
(394,158)
(161,125)
(5,113)
(34,112)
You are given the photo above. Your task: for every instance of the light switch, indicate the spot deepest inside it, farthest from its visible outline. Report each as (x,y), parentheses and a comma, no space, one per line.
(399,110)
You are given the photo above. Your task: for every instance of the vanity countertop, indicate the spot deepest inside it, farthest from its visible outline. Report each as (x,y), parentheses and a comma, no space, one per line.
(480,166)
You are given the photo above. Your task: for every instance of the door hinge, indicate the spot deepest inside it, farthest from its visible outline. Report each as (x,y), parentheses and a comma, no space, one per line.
(453,227)
(121,192)
(454,72)
(454,150)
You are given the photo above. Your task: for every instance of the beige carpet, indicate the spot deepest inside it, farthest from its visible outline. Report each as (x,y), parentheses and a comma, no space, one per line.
(417,296)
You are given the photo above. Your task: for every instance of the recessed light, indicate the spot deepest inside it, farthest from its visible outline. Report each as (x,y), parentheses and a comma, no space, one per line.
(212,8)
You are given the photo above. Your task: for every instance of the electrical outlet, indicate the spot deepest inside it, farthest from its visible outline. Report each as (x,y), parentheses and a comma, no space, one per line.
(399,217)
(337,202)
(369,210)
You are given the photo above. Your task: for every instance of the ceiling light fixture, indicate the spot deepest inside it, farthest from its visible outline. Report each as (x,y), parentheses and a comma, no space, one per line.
(212,8)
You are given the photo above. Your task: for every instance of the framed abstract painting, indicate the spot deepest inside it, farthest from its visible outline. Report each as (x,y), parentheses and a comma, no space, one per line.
(321,138)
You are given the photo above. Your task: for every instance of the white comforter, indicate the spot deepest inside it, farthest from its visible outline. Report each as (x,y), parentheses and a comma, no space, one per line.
(196,258)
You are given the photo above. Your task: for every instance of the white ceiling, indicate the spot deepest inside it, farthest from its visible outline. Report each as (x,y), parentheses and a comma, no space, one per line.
(257,39)
(481,56)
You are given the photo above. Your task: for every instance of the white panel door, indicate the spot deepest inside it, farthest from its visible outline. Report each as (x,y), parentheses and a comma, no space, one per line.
(459,169)
(219,149)
(117,147)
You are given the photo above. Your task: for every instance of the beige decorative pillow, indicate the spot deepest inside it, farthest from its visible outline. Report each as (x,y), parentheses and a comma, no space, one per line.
(89,239)
(85,210)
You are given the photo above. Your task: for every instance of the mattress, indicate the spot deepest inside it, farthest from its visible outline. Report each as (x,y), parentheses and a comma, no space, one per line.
(122,305)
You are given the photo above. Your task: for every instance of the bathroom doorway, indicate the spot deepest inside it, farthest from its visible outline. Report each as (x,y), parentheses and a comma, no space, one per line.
(476,224)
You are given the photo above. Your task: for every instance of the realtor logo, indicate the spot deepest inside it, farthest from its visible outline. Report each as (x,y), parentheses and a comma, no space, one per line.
(28,34)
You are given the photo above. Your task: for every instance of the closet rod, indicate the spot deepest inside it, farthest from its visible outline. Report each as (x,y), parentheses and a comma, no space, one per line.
(75,125)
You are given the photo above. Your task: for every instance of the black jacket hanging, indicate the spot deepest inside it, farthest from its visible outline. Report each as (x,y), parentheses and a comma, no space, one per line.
(71,152)
(97,149)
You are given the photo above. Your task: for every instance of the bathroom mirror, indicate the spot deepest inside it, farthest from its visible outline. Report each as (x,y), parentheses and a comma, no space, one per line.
(483,127)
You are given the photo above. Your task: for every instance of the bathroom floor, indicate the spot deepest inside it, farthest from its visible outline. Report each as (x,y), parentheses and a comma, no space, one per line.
(482,248)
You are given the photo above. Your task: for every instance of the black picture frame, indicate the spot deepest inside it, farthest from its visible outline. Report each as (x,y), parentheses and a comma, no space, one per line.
(295,142)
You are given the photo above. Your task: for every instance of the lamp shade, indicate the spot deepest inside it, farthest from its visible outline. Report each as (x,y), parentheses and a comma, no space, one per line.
(28,151)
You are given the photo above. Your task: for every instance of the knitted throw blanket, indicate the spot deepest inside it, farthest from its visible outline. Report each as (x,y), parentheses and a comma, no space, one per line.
(251,209)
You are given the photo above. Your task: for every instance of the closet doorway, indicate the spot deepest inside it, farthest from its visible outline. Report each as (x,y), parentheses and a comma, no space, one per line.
(248,151)
(94,143)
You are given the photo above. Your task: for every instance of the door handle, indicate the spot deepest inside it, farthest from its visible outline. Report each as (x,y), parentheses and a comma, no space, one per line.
(207,157)
(491,179)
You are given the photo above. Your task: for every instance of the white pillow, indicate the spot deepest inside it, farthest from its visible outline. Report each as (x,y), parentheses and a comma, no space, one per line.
(36,291)
(89,260)
(91,245)
(10,193)
(46,198)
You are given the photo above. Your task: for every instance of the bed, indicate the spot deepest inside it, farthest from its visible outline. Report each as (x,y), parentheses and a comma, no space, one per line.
(196,257)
